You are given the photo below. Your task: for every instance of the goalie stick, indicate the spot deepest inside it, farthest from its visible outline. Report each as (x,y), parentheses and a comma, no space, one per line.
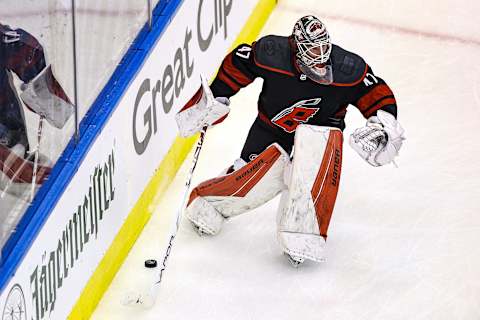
(147,298)
(36,159)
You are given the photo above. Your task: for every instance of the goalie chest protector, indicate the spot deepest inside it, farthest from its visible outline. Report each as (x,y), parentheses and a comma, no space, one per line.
(289,98)
(275,53)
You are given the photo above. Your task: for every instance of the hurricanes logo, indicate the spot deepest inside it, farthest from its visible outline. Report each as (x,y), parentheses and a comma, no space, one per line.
(15,308)
(302,111)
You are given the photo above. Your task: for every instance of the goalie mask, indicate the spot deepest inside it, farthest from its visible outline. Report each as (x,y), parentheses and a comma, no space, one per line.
(313,48)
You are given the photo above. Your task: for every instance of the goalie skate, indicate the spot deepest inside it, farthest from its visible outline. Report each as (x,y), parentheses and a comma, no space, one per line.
(295,261)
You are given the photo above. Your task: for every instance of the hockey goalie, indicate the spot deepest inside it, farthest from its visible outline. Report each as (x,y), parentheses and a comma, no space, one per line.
(20,164)
(294,147)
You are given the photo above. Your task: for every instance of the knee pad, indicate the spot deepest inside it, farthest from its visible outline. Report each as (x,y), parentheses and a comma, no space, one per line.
(234,193)
(313,178)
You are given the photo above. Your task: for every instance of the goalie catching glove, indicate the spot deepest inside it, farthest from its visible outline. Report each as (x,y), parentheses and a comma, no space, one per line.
(380,140)
(201,111)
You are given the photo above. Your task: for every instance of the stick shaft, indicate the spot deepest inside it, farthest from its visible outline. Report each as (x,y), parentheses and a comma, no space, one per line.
(182,206)
(37,153)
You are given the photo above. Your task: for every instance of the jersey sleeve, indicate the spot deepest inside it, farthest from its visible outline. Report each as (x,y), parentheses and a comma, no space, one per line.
(238,70)
(373,94)
(22,53)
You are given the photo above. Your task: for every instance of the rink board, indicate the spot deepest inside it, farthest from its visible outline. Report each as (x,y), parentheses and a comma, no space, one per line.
(113,178)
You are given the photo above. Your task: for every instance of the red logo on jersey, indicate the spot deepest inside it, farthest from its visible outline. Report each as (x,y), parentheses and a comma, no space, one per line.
(291,117)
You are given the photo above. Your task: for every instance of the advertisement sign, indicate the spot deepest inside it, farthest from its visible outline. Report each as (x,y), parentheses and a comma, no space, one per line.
(65,252)
(192,45)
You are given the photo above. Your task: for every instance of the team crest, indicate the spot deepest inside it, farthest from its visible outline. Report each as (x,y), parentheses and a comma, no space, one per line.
(302,111)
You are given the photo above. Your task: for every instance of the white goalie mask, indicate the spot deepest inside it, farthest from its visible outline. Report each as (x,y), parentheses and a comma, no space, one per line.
(313,48)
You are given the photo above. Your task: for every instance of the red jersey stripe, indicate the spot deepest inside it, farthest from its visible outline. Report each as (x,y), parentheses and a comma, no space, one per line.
(265,119)
(373,96)
(230,69)
(385,102)
(222,76)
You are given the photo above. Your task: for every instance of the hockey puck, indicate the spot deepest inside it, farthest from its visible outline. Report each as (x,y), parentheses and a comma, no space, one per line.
(150,263)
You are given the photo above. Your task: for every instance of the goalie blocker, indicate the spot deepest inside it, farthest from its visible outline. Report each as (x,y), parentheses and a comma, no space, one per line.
(309,186)
(46,97)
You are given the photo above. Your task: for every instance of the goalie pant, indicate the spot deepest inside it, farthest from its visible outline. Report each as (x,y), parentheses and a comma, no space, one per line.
(309,185)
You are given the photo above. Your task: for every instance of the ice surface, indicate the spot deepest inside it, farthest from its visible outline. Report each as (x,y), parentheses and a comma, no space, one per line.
(403,243)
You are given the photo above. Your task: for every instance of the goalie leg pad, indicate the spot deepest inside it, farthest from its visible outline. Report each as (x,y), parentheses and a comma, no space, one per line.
(303,245)
(205,217)
(306,208)
(244,189)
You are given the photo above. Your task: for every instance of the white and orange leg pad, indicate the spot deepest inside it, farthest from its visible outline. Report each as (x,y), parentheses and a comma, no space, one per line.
(306,208)
(244,189)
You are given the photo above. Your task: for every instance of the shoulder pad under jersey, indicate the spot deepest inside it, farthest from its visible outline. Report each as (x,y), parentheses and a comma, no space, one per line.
(273,53)
(348,68)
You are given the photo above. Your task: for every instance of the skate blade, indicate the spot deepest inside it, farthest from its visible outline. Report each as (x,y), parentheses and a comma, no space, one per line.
(294,261)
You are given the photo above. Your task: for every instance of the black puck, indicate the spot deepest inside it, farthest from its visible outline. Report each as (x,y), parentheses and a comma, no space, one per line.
(150,263)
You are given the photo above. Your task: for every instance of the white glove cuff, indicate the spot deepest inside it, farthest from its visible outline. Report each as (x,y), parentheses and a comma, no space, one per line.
(384,124)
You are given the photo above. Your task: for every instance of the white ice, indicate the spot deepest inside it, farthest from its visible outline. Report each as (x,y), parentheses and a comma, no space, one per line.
(404,243)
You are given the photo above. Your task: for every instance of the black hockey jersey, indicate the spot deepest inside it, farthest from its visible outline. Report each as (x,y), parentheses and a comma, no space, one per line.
(289,98)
